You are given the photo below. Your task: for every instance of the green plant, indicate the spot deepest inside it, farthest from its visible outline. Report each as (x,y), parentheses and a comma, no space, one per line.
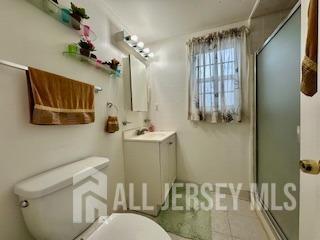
(81,12)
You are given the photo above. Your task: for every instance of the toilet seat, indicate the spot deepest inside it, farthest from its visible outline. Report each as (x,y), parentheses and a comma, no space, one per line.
(125,227)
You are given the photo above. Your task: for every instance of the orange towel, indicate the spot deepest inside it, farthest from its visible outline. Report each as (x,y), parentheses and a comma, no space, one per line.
(56,100)
(309,83)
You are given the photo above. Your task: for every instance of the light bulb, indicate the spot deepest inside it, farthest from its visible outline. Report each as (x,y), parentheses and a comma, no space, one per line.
(146,50)
(151,55)
(132,38)
(140,45)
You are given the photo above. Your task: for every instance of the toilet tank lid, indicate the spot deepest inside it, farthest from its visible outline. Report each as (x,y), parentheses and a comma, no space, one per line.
(58,178)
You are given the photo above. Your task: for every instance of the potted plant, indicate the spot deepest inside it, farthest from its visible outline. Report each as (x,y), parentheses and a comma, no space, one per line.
(77,15)
(86,47)
(113,64)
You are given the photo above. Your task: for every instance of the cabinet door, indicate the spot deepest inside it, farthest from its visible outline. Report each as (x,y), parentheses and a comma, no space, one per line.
(172,159)
(165,173)
(142,165)
(168,165)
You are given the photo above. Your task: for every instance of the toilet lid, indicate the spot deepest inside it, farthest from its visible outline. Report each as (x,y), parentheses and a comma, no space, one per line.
(126,227)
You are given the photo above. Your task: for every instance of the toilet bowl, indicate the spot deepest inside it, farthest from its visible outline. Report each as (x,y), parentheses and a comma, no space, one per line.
(124,227)
(47,203)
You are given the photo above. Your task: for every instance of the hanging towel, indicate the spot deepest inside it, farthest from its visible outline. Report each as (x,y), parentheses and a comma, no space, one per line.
(309,83)
(56,100)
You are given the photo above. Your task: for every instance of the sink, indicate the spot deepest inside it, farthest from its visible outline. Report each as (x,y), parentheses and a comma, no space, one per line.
(151,136)
(155,134)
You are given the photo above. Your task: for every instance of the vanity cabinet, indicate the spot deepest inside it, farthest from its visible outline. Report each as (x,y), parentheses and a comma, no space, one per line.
(152,163)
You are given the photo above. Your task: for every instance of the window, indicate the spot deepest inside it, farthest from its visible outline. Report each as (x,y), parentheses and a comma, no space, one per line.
(217,63)
(217,74)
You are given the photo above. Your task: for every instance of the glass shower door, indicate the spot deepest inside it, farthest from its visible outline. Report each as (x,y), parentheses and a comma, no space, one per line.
(278,116)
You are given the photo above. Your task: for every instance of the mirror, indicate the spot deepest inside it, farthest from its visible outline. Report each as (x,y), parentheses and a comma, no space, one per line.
(137,78)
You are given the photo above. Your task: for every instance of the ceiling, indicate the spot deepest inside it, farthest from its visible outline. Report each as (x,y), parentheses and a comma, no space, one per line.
(266,7)
(154,20)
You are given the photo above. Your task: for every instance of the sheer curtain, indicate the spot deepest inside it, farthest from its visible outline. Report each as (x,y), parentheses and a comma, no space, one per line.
(217,64)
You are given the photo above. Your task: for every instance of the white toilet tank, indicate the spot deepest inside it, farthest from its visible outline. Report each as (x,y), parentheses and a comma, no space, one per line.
(48,204)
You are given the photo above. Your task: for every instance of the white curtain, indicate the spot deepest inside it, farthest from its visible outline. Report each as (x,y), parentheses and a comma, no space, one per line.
(217,64)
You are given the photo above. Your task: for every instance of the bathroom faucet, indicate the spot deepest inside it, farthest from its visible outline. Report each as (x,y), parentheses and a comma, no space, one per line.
(125,123)
(141,131)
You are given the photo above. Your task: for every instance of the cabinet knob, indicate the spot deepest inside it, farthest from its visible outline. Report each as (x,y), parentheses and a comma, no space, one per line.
(170,143)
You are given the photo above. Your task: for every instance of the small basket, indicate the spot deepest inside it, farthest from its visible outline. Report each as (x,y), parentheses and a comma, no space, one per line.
(112,123)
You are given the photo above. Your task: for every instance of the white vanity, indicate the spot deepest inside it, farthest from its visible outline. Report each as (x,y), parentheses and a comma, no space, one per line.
(150,158)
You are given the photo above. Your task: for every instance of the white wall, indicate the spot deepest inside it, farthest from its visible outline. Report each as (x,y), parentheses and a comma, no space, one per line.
(212,153)
(31,37)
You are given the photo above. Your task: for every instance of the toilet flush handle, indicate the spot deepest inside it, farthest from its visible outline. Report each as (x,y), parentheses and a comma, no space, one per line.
(24,204)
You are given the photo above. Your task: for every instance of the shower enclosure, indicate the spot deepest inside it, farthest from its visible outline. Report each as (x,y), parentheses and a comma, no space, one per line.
(277,125)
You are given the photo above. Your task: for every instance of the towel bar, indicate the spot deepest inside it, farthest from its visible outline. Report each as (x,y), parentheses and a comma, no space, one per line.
(25,68)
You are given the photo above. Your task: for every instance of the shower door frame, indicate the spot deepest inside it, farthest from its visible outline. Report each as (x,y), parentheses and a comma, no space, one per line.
(276,229)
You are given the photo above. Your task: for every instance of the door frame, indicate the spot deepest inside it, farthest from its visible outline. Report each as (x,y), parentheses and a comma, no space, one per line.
(274,226)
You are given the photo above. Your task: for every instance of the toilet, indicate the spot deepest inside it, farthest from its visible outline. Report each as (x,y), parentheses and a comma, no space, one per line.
(47,205)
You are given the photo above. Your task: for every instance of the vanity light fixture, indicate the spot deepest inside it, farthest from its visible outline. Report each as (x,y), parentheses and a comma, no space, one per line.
(138,46)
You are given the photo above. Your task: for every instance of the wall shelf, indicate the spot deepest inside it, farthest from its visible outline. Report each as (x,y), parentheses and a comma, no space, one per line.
(93,62)
(62,14)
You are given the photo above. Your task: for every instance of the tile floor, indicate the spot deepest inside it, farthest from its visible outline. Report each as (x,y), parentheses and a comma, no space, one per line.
(241,224)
